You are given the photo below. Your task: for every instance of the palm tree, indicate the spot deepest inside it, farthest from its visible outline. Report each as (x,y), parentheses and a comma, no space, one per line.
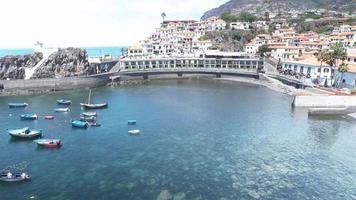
(336,53)
(321,56)
(163,15)
(343,68)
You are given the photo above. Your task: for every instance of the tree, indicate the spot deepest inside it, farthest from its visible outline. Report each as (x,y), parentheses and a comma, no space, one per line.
(246,16)
(321,56)
(343,68)
(267,16)
(263,49)
(163,15)
(336,53)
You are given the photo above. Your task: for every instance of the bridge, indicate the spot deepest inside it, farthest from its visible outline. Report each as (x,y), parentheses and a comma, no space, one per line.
(145,73)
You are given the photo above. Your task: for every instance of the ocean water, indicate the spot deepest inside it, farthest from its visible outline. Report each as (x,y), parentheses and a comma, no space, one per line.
(92,51)
(201,139)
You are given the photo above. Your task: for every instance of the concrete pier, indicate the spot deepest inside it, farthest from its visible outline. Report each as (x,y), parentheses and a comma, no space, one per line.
(324,101)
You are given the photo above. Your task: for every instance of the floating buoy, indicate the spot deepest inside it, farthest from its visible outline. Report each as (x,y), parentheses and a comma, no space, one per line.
(49,117)
(134,132)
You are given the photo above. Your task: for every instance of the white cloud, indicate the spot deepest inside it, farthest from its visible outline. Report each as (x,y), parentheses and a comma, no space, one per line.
(89,22)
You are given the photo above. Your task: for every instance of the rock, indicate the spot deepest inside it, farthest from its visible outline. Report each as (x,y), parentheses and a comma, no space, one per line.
(179,196)
(13,67)
(164,195)
(229,40)
(65,63)
(253,194)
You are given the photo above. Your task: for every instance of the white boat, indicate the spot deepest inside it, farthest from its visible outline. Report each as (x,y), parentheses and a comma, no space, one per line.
(134,132)
(89,114)
(61,110)
(93,106)
(25,133)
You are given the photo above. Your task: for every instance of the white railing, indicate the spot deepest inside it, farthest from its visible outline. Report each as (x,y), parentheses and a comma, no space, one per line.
(206,70)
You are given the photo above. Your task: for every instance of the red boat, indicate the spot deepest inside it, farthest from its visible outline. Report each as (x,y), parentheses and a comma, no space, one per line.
(49,143)
(49,117)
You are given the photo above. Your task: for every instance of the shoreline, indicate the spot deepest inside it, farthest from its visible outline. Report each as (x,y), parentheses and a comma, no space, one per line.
(23,88)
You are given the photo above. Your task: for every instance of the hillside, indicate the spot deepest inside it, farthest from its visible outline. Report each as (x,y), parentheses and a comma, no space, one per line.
(259,7)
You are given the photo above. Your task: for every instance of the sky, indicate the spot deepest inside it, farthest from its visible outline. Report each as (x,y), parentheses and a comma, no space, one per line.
(88,23)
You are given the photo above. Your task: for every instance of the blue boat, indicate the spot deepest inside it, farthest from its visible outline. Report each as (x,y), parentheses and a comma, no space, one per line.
(17,105)
(28,117)
(64,102)
(131,122)
(79,124)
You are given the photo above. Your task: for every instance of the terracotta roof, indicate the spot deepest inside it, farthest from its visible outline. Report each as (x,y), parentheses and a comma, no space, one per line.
(311,60)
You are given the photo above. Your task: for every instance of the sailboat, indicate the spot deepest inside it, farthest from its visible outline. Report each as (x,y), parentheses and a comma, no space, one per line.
(93,106)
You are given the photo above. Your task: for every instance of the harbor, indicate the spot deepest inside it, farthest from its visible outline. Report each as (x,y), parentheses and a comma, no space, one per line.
(256,142)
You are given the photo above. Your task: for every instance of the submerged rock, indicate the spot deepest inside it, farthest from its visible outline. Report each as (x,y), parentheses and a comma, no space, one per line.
(179,196)
(164,195)
(13,67)
(65,63)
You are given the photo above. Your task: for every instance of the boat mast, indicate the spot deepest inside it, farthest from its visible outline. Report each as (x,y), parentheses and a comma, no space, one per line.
(89,96)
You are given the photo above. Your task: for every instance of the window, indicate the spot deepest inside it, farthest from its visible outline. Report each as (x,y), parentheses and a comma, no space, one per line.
(309,70)
(326,70)
(301,69)
(295,68)
(319,70)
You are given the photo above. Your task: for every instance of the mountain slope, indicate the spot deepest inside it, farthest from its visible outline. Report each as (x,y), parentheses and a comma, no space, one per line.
(259,7)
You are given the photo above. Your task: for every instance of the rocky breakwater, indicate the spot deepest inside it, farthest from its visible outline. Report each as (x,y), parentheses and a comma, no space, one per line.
(66,62)
(13,67)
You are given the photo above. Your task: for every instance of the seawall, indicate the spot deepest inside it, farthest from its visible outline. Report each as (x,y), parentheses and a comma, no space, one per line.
(40,86)
(324,101)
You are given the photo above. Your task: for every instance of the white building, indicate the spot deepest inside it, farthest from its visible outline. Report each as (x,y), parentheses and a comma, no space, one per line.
(241,25)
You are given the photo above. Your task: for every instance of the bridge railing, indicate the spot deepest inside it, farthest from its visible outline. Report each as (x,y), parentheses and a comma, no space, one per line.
(215,70)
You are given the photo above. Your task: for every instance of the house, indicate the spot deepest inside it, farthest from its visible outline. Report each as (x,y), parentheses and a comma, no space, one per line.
(241,25)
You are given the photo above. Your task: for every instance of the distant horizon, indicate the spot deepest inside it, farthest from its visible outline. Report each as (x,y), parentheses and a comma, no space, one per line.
(63,23)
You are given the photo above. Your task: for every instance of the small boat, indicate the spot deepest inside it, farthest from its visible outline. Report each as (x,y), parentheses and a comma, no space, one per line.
(93,106)
(8,176)
(28,117)
(25,133)
(89,114)
(79,124)
(49,143)
(95,124)
(131,122)
(17,105)
(88,119)
(61,110)
(64,102)
(134,132)
(49,117)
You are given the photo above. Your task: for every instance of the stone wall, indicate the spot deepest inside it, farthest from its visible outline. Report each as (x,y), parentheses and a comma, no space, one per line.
(39,86)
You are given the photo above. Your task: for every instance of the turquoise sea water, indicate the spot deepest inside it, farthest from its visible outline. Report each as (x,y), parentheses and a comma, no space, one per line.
(200,139)
(92,51)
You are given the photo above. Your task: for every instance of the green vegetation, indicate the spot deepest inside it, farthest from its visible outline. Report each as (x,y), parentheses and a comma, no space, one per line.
(332,57)
(343,68)
(243,16)
(202,38)
(163,15)
(262,50)
(319,25)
